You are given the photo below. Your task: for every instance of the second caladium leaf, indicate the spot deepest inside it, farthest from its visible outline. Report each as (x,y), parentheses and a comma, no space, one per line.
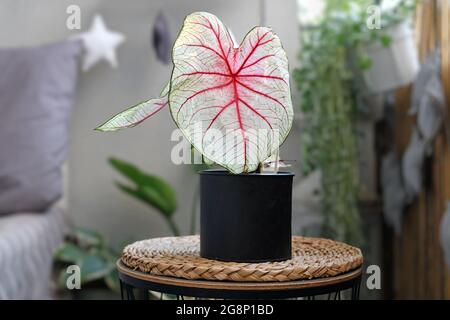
(233,103)
(137,114)
(134,115)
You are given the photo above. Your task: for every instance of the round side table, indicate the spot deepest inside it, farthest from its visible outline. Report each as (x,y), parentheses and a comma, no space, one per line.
(172,265)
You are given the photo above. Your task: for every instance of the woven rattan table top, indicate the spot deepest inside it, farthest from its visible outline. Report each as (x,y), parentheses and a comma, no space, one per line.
(179,257)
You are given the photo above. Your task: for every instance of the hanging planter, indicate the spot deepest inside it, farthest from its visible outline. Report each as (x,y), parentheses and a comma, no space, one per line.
(394,63)
(233,104)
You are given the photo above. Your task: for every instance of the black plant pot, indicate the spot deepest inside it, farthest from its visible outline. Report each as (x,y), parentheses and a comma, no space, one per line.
(245,217)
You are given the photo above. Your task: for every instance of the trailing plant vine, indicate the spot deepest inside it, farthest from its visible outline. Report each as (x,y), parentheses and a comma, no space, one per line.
(330,59)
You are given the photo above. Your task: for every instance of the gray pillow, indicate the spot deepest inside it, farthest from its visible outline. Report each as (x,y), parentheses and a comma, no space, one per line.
(37,86)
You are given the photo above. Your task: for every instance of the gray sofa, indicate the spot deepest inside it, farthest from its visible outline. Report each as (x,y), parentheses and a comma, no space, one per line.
(27,243)
(37,88)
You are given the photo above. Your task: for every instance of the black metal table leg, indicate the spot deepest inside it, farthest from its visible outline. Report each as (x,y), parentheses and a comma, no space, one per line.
(130,292)
(356,289)
(121,289)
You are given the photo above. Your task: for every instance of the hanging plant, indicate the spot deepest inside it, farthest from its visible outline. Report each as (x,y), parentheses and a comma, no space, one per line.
(332,62)
(328,139)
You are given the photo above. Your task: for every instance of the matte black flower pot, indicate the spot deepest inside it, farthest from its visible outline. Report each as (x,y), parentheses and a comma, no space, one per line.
(245,217)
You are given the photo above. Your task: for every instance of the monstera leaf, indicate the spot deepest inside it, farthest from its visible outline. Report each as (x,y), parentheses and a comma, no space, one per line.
(231,102)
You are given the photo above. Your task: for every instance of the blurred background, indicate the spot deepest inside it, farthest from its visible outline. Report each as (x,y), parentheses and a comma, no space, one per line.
(369,146)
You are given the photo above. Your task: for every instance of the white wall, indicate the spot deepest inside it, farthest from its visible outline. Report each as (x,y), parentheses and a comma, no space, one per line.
(93,199)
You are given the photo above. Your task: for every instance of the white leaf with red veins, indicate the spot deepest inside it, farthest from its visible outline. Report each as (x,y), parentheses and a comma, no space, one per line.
(137,114)
(233,104)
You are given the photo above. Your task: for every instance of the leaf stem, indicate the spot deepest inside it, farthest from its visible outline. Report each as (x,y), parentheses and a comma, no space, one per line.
(172,226)
(277,159)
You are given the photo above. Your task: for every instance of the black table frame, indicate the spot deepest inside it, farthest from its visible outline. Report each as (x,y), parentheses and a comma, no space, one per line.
(131,280)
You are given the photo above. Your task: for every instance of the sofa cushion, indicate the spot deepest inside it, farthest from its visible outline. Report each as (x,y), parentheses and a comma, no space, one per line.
(37,87)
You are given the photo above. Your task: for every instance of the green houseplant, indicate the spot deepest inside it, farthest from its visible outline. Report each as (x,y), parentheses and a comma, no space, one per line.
(232,102)
(149,189)
(88,249)
(333,61)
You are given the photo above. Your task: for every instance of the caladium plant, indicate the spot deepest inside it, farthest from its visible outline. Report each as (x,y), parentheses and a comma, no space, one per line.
(232,102)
